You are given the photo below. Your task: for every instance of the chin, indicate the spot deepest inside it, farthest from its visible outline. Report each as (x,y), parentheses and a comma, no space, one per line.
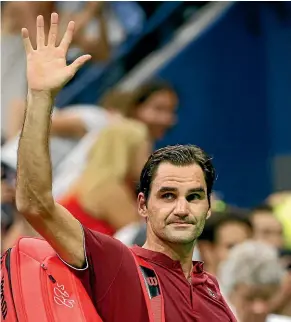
(183,235)
(181,238)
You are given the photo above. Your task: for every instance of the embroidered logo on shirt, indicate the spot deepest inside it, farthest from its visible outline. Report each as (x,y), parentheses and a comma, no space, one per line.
(211,293)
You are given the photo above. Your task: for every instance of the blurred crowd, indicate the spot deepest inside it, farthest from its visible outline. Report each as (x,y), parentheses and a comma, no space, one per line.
(98,151)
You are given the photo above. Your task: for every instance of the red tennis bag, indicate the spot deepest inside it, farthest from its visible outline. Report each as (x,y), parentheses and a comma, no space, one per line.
(36,286)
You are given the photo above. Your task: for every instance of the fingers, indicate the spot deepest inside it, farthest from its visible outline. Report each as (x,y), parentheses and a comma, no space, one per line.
(52,37)
(78,63)
(67,39)
(26,41)
(40,37)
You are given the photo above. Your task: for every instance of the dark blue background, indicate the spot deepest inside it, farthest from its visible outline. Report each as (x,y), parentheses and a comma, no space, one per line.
(234,83)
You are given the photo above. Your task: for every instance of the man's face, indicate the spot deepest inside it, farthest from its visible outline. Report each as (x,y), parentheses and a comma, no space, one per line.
(227,236)
(177,206)
(251,303)
(158,112)
(267,228)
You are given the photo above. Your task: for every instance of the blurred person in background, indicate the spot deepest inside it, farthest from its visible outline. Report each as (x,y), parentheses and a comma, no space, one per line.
(93,20)
(281,203)
(152,105)
(116,159)
(7,201)
(12,224)
(91,31)
(267,227)
(250,277)
(67,129)
(15,15)
(222,232)
(70,125)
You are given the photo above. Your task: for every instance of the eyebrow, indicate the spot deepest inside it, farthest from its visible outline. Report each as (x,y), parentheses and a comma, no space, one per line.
(173,189)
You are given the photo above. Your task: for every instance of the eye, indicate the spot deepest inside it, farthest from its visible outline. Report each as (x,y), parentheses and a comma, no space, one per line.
(193,196)
(168,196)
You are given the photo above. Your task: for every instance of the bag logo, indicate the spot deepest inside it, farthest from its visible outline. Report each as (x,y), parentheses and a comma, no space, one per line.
(152,281)
(62,297)
(3,301)
(211,293)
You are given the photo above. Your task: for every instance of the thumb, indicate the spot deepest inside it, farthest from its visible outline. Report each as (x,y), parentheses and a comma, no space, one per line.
(78,63)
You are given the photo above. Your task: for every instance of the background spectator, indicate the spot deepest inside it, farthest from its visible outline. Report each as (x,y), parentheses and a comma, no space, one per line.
(116,158)
(267,228)
(222,232)
(249,278)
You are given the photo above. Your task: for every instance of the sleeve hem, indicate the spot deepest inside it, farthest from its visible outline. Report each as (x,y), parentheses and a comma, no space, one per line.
(85,253)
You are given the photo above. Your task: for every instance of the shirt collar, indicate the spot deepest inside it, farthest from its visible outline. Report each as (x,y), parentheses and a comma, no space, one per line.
(164,260)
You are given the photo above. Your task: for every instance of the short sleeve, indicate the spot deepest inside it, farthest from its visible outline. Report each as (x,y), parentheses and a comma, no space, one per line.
(94,118)
(104,256)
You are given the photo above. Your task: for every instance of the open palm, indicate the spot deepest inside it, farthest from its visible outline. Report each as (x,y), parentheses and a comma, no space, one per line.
(46,65)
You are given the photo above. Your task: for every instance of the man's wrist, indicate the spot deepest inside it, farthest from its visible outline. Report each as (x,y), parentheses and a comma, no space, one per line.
(39,102)
(36,94)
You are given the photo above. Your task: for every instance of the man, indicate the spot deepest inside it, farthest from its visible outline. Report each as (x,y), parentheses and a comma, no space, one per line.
(250,277)
(267,228)
(222,232)
(175,189)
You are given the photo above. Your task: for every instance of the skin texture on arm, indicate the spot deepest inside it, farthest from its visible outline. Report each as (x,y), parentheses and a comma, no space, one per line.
(47,73)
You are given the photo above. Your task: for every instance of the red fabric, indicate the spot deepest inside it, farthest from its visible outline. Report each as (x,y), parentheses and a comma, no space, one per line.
(112,282)
(43,288)
(73,206)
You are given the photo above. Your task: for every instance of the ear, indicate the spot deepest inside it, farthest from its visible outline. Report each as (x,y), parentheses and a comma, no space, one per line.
(208,213)
(142,207)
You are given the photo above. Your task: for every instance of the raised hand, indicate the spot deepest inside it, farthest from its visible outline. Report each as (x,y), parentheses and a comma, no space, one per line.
(47,70)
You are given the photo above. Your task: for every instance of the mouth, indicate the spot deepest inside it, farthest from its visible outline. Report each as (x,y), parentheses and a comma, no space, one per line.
(180,224)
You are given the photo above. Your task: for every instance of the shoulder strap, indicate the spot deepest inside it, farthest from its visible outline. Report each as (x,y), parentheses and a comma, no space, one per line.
(151,288)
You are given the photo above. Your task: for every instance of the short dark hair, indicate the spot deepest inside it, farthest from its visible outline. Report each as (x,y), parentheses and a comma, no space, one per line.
(244,221)
(219,219)
(179,155)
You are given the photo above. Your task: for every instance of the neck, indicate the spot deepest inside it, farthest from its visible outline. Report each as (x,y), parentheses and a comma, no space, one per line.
(177,252)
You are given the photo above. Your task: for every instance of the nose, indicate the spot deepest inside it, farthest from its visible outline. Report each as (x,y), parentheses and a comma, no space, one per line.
(181,207)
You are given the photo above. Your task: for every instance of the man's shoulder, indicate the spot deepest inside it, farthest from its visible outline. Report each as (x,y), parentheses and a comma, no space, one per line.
(100,238)
(212,278)
(97,243)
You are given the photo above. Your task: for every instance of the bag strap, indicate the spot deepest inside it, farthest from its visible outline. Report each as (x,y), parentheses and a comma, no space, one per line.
(151,289)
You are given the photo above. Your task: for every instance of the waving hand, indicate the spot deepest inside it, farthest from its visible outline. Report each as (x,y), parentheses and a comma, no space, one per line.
(46,65)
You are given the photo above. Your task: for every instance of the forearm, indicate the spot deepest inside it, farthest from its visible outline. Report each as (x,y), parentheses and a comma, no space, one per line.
(34,173)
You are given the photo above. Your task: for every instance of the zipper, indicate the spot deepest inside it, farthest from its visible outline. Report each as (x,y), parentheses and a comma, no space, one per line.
(7,265)
(44,276)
